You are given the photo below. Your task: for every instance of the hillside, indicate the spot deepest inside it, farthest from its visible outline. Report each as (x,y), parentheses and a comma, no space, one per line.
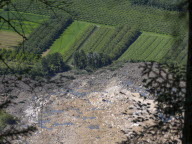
(93,71)
(103,107)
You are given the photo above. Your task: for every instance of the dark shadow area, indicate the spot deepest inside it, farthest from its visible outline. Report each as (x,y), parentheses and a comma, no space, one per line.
(167,85)
(11,126)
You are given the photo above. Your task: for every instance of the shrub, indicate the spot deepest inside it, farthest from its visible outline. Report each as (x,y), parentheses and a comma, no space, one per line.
(90,60)
(52,64)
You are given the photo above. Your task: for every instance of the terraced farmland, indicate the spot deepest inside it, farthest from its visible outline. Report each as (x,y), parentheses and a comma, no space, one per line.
(152,47)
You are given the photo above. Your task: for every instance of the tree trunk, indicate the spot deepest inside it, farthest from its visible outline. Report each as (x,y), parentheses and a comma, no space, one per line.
(187,131)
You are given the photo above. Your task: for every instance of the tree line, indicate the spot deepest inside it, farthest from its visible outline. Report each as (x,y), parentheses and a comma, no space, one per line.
(44,36)
(91,60)
(164,4)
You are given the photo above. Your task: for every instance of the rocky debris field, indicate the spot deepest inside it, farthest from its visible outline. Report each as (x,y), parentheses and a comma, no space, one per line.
(100,117)
(104,107)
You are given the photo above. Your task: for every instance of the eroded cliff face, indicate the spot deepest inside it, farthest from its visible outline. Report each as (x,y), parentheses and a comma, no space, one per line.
(105,107)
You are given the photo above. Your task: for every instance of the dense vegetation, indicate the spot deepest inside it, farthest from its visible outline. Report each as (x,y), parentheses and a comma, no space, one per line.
(90,60)
(36,7)
(93,38)
(113,12)
(21,62)
(117,30)
(164,4)
(144,18)
(15,56)
(178,53)
(49,65)
(153,47)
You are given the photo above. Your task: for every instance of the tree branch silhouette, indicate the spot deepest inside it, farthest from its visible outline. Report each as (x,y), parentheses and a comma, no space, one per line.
(167,84)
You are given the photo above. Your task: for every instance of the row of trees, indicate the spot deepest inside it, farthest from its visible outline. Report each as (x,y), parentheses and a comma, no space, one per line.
(122,41)
(41,7)
(43,37)
(19,56)
(31,64)
(90,60)
(165,4)
(49,65)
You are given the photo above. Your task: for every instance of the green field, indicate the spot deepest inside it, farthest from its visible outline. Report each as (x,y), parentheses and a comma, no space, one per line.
(123,30)
(24,23)
(94,38)
(152,47)
(114,13)
(145,18)
(123,43)
(65,44)
(178,53)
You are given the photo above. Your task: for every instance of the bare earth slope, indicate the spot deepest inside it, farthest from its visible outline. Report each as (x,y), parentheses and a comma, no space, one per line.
(105,107)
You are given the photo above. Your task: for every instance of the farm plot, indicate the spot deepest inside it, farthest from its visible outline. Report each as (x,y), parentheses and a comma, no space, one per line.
(111,41)
(72,38)
(94,38)
(149,47)
(112,12)
(24,23)
(178,52)
(9,39)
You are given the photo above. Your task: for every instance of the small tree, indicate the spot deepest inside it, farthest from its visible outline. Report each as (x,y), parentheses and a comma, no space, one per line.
(53,63)
(80,59)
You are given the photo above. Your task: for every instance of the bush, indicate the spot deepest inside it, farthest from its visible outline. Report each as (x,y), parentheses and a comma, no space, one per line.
(49,65)
(90,60)
(5,119)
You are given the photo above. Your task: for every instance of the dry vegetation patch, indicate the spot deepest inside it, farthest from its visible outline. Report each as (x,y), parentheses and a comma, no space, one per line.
(9,39)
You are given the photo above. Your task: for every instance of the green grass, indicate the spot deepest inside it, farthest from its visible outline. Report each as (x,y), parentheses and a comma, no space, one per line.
(93,38)
(25,23)
(110,40)
(149,47)
(72,34)
(178,53)
(97,40)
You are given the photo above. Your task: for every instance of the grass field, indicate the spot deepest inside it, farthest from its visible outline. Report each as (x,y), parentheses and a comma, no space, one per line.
(25,23)
(9,39)
(178,53)
(153,47)
(66,41)
(93,38)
